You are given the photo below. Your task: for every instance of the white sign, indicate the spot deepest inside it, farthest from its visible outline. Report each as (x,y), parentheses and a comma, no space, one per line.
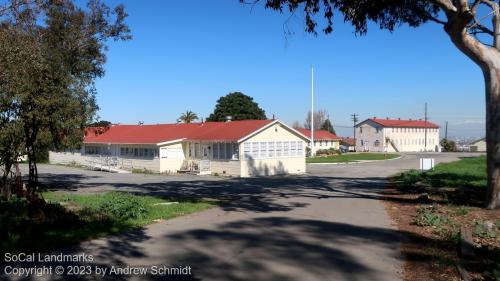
(426,164)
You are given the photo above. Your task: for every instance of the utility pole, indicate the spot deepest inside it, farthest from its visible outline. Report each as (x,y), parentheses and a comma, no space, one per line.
(354,120)
(446,131)
(425,129)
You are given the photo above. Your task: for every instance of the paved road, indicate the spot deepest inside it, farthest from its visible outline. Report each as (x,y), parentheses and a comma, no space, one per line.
(326,225)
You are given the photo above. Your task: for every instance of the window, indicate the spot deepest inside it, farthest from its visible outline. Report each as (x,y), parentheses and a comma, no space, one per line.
(321,143)
(286,148)
(300,148)
(293,148)
(279,149)
(255,150)
(377,143)
(270,149)
(215,151)
(263,150)
(236,151)
(361,130)
(229,150)
(247,150)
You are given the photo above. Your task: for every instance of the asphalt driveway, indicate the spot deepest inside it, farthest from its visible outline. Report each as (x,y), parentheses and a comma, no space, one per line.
(327,225)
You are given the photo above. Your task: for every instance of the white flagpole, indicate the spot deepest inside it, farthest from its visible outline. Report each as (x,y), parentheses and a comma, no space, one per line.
(312,111)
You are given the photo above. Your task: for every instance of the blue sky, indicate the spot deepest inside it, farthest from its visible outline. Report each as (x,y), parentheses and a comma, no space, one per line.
(186,54)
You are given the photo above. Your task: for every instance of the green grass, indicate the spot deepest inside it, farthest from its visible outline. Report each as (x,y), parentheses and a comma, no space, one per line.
(461,182)
(69,218)
(351,157)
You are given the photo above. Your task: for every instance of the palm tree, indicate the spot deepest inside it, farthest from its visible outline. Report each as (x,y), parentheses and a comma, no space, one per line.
(188,117)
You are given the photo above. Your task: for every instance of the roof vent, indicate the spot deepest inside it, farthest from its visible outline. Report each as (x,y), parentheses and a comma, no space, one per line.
(410,119)
(229,118)
(399,118)
(141,122)
(387,118)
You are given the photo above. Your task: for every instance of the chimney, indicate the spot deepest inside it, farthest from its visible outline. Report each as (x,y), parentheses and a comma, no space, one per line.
(273,117)
(387,118)
(399,118)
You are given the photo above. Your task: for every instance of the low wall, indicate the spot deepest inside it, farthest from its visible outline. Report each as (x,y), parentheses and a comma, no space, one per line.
(67,158)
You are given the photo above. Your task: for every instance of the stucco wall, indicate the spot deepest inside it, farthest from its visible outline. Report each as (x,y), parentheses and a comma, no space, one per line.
(478,146)
(230,167)
(171,162)
(367,135)
(275,165)
(404,139)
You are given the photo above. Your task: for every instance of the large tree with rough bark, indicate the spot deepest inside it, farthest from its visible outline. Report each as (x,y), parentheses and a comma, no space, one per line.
(475,35)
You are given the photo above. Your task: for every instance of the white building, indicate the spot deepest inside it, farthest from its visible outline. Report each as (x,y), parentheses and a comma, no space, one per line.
(323,139)
(478,145)
(237,148)
(397,135)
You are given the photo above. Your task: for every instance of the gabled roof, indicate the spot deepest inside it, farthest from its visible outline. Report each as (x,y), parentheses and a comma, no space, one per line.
(318,134)
(154,134)
(401,123)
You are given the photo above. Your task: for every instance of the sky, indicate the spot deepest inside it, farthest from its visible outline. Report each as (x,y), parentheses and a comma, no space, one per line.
(184,55)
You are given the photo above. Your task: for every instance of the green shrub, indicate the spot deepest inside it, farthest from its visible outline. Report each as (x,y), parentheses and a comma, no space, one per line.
(428,217)
(123,206)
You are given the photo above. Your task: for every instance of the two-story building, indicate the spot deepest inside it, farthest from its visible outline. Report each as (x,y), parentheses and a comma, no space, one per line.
(397,135)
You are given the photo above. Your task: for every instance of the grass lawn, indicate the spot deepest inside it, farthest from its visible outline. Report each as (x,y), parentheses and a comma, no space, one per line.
(351,157)
(433,207)
(66,219)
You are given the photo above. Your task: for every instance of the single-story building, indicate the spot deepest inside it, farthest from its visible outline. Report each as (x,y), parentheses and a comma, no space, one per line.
(478,146)
(348,143)
(238,148)
(323,139)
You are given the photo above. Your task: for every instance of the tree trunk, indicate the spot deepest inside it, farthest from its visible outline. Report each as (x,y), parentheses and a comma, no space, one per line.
(492,87)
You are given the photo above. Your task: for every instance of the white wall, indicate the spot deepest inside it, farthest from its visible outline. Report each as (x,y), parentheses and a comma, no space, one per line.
(273,165)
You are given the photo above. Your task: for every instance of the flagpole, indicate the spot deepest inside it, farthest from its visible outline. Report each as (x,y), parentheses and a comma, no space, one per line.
(312,111)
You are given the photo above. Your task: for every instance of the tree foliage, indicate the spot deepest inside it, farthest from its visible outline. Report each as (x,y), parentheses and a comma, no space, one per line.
(239,106)
(50,54)
(100,123)
(448,145)
(188,117)
(327,126)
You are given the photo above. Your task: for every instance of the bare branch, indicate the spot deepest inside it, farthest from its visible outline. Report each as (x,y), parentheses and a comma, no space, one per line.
(446,5)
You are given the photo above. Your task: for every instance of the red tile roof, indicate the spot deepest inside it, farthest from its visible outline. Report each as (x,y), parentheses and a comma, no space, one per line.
(319,134)
(347,141)
(400,123)
(153,134)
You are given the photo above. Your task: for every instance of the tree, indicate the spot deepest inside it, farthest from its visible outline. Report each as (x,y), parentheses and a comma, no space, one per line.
(188,117)
(470,33)
(319,118)
(327,126)
(50,54)
(296,125)
(237,105)
(101,123)
(448,145)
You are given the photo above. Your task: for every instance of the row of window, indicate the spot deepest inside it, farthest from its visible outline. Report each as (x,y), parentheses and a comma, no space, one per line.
(413,130)
(400,142)
(326,143)
(225,151)
(271,149)
(139,152)
(404,130)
